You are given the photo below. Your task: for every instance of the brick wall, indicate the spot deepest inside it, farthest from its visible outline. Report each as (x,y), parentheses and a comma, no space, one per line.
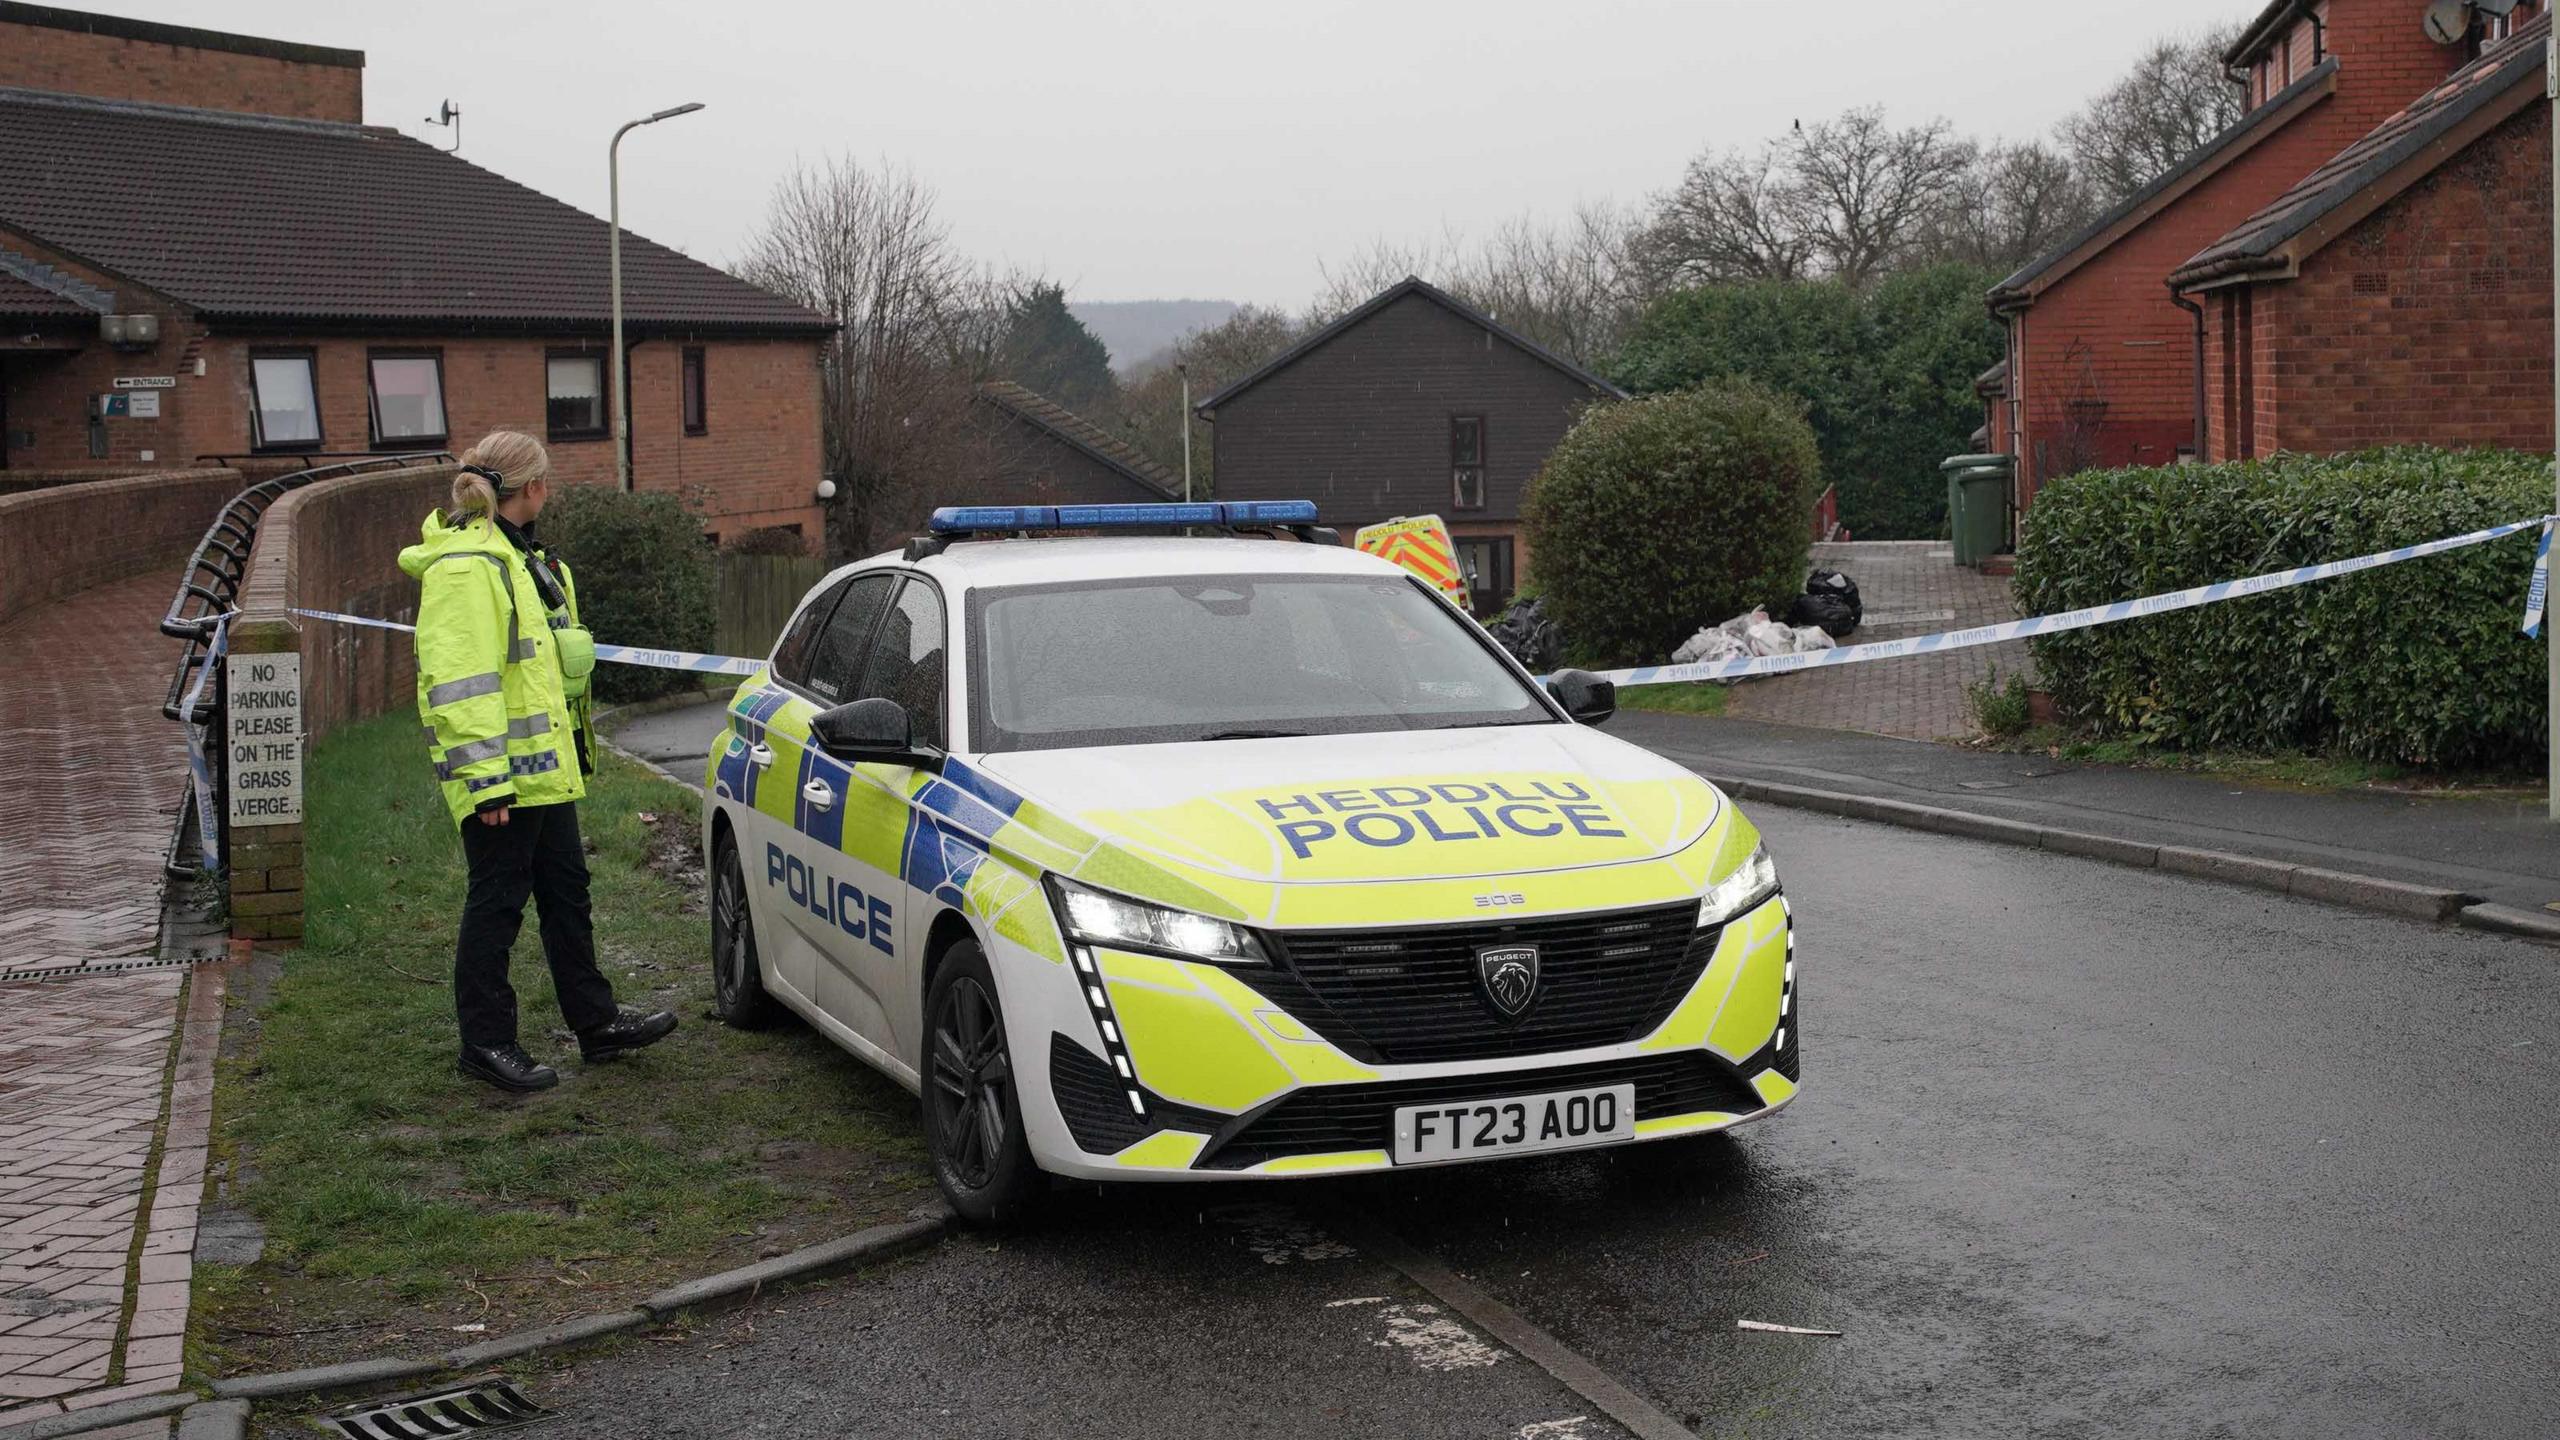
(59,541)
(42,48)
(48,391)
(2429,322)
(760,458)
(2105,370)
(333,546)
(1361,424)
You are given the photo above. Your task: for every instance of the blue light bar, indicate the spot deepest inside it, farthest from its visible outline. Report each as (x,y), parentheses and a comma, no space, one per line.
(956,519)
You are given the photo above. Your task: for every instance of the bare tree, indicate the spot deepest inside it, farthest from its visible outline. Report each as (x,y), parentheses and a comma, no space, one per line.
(2173,100)
(1350,283)
(2016,202)
(1863,193)
(1849,198)
(919,327)
(1572,286)
(1728,219)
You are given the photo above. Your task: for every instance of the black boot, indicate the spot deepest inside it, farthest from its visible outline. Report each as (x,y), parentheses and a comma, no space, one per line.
(624,1033)
(507,1067)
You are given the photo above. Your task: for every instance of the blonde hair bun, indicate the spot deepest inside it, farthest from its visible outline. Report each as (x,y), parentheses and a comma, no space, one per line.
(517,459)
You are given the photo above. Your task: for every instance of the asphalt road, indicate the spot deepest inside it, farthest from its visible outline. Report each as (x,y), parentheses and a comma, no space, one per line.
(2082,1151)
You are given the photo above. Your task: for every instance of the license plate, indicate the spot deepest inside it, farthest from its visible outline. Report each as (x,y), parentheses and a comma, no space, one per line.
(1560,1121)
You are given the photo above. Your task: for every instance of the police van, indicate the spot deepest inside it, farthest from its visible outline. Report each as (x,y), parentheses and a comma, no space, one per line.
(1154,842)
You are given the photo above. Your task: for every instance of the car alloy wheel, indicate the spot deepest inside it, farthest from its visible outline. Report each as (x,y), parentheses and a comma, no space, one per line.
(971,1083)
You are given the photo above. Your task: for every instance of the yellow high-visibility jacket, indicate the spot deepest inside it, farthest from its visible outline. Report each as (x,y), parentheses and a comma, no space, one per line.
(499,721)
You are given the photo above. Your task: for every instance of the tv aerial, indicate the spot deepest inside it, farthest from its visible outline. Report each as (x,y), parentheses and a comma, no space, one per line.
(450,115)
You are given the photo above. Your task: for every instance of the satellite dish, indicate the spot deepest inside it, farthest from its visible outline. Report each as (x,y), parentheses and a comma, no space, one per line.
(2448,21)
(2494,7)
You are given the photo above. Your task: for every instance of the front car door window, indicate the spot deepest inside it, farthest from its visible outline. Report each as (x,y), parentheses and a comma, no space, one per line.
(907,661)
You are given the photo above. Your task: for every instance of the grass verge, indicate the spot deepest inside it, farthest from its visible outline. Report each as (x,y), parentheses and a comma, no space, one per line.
(1700,697)
(2293,769)
(404,1205)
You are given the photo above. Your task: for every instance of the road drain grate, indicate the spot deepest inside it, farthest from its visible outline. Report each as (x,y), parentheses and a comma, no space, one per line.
(468,1409)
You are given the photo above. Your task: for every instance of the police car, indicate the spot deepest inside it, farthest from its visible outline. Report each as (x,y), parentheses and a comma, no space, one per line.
(1143,854)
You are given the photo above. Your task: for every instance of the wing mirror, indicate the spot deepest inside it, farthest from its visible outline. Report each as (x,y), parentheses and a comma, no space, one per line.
(876,730)
(1586,697)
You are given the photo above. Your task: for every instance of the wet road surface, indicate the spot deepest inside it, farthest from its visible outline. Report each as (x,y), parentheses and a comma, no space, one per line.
(2082,1151)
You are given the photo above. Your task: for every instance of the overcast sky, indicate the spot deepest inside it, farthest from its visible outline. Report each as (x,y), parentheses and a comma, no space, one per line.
(1160,149)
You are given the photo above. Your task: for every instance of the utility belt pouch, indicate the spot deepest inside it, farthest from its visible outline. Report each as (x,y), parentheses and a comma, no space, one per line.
(576,647)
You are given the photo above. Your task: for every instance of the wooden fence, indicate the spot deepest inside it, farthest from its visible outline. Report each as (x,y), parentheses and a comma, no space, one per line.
(757,595)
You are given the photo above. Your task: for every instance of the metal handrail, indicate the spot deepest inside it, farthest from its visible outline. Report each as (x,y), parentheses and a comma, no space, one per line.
(209,590)
(209,586)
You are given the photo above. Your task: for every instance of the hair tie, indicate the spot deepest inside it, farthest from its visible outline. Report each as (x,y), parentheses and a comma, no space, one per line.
(484,472)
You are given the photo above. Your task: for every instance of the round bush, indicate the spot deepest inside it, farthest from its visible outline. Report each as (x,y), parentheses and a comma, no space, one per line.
(644,577)
(2418,663)
(1658,516)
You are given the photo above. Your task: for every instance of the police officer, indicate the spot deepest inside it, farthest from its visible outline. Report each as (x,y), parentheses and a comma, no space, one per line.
(503,666)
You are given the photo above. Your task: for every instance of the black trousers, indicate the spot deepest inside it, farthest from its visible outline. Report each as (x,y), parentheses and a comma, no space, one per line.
(537,854)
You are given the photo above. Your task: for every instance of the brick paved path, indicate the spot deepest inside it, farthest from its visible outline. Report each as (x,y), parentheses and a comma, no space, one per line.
(90,775)
(1909,588)
(95,1265)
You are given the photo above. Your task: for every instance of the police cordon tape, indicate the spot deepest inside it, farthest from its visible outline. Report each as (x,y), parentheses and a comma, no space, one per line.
(618,654)
(2108,614)
(2083,619)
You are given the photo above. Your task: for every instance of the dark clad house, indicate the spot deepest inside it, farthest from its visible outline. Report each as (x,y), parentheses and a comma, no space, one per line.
(1033,451)
(1414,404)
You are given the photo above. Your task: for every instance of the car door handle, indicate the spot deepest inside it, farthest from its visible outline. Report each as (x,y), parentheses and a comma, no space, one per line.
(759,754)
(819,795)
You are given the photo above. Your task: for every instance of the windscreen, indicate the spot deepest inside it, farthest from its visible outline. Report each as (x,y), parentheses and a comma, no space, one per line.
(1144,661)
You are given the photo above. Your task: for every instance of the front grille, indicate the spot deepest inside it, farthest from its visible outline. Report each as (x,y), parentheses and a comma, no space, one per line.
(1405,997)
(1331,1118)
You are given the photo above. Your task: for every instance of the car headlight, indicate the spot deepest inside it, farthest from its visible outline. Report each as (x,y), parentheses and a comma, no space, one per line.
(1752,881)
(1097,917)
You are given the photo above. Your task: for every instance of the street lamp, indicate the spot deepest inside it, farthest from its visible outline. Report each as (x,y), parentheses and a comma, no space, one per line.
(613,170)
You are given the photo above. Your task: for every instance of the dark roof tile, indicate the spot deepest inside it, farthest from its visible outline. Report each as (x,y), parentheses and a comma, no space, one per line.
(2210,154)
(259,218)
(1046,414)
(1410,285)
(2382,150)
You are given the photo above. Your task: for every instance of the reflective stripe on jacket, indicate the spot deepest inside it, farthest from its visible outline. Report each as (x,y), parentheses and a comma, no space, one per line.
(499,724)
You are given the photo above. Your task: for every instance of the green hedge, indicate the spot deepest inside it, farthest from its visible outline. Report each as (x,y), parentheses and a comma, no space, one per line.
(1885,374)
(644,578)
(2417,663)
(1660,515)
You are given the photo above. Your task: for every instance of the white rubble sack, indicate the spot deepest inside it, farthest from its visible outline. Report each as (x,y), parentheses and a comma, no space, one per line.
(1748,635)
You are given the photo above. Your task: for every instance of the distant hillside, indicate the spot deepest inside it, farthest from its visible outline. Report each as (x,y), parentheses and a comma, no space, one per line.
(1136,330)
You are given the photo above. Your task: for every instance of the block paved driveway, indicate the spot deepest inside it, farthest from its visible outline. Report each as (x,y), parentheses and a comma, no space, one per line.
(94,1266)
(1910,587)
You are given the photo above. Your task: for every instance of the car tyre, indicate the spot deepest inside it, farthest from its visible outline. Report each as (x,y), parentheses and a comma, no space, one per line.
(972,1105)
(738,997)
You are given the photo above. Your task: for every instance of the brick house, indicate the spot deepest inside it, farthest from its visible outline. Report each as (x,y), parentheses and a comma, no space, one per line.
(1030,450)
(1415,403)
(204,251)
(2103,363)
(2402,292)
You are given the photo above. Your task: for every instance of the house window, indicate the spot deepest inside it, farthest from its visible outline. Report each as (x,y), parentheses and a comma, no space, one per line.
(284,400)
(697,406)
(575,395)
(408,399)
(1466,462)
